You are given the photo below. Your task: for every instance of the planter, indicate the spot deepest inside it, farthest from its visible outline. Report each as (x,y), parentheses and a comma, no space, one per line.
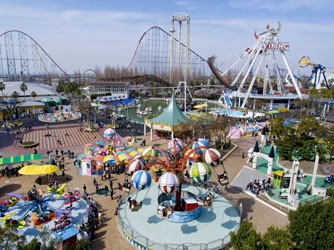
(29,144)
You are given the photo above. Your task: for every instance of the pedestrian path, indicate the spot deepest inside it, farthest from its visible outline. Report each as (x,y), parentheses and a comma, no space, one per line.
(245,176)
(48,139)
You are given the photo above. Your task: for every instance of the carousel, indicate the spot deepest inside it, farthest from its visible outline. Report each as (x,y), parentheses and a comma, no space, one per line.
(173,205)
(97,160)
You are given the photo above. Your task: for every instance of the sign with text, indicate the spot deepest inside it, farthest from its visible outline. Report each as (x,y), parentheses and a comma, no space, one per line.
(276,46)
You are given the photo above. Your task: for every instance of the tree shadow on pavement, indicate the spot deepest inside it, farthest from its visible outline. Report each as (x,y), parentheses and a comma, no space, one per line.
(10,188)
(247,206)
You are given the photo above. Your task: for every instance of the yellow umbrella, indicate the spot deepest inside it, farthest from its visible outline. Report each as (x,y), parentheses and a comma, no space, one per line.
(38,170)
(200,106)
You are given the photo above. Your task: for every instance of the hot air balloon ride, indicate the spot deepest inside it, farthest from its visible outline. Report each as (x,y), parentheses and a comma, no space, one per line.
(109,133)
(175,146)
(140,180)
(200,145)
(135,165)
(212,157)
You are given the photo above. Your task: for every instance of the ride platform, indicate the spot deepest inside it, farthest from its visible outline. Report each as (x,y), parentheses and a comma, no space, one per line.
(145,229)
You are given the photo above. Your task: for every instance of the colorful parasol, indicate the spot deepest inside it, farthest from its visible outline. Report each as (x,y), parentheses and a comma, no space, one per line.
(111,158)
(99,158)
(37,170)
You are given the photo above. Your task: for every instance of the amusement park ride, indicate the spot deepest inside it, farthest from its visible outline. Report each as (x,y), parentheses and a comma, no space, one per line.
(317,70)
(174,204)
(265,51)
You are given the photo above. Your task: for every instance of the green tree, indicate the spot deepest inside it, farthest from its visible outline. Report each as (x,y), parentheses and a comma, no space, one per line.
(2,87)
(34,244)
(9,237)
(33,95)
(277,127)
(60,87)
(277,239)
(246,238)
(82,244)
(85,108)
(329,140)
(11,105)
(311,226)
(24,88)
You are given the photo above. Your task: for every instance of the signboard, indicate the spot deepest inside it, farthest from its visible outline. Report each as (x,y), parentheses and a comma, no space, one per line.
(276,46)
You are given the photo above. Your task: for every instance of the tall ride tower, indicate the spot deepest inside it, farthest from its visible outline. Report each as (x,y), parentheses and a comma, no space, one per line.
(181,17)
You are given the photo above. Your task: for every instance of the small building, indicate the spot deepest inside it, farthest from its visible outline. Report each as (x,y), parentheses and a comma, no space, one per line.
(116,90)
(31,107)
(168,120)
(67,238)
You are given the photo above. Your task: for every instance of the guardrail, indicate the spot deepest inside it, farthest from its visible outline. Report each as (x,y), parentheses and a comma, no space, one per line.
(145,243)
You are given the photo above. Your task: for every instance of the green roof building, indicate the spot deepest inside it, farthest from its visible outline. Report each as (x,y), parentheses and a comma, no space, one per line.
(168,120)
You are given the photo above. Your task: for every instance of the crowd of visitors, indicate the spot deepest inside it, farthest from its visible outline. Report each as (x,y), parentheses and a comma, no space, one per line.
(259,186)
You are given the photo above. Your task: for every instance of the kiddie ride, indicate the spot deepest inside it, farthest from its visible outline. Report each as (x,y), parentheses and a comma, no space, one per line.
(59,192)
(4,205)
(329,179)
(64,219)
(6,221)
(175,204)
(71,197)
(317,70)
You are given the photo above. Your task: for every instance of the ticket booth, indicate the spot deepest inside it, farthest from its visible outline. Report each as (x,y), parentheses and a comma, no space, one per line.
(67,238)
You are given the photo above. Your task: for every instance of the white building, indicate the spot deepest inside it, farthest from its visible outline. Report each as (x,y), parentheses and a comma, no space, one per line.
(115,90)
(42,90)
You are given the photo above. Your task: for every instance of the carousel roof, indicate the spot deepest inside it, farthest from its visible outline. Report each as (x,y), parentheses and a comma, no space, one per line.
(171,116)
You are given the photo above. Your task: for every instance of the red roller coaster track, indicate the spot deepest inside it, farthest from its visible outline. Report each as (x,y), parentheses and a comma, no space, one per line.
(162,30)
(9,31)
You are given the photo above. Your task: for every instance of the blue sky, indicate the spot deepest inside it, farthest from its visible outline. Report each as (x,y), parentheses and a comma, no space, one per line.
(83,34)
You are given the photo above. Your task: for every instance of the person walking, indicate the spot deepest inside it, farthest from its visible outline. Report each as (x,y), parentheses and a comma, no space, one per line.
(106,189)
(100,218)
(110,184)
(111,193)
(96,184)
(85,189)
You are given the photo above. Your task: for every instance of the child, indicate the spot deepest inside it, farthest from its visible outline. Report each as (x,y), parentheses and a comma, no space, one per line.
(100,218)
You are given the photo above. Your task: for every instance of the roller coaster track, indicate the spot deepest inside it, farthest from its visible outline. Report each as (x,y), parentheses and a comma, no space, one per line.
(39,46)
(139,79)
(166,33)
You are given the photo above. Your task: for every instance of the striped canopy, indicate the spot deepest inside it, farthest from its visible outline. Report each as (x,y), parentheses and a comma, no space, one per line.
(168,183)
(141,179)
(200,172)
(20,158)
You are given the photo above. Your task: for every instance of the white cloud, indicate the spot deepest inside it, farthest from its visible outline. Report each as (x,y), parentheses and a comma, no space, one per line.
(281,5)
(182,3)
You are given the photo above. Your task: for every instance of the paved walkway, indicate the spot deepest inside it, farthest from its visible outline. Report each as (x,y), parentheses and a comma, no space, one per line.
(245,176)
(74,138)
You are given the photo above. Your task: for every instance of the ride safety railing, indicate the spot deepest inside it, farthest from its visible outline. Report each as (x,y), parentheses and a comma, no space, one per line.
(142,242)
